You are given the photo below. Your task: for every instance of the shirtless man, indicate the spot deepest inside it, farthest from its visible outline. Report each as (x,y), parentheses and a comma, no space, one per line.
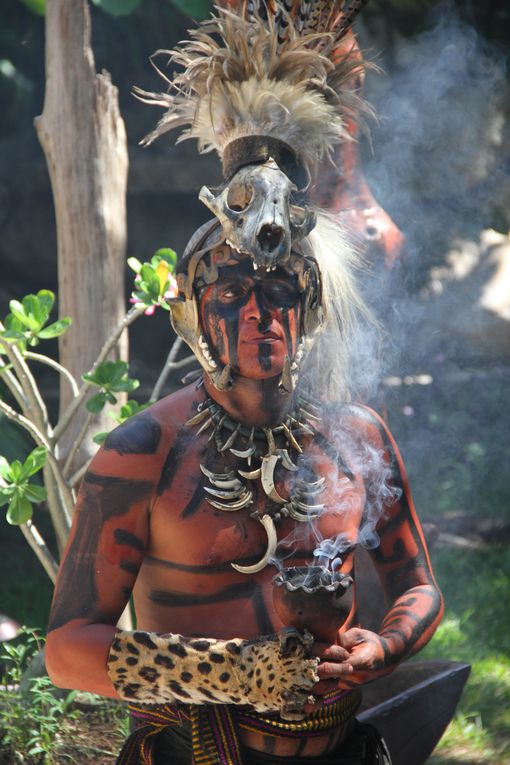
(196,504)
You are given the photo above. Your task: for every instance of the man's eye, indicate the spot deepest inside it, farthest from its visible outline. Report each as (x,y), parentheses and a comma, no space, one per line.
(232,292)
(281,293)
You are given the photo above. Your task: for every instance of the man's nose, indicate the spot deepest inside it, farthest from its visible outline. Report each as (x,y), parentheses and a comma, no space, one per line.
(256,308)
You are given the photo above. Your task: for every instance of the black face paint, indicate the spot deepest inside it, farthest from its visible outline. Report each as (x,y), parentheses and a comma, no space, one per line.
(231,293)
(264,356)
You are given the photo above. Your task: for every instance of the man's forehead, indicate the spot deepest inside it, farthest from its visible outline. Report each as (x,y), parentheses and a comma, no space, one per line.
(243,269)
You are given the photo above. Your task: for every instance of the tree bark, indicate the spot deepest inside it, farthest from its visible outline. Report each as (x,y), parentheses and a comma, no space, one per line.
(84,140)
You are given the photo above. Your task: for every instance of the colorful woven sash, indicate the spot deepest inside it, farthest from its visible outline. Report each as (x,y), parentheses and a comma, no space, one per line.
(214,727)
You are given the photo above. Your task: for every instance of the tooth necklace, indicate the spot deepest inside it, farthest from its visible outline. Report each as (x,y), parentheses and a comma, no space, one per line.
(267,448)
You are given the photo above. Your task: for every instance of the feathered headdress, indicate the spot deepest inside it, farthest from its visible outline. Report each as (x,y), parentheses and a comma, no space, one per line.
(269,86)
(267,69)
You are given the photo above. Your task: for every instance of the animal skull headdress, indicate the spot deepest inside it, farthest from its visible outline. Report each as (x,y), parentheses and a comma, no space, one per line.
(264,85)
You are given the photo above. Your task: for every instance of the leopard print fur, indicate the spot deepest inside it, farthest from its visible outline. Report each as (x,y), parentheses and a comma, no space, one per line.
(271,673)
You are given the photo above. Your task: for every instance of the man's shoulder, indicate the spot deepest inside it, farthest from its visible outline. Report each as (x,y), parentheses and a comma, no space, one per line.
(156,426)
(360,420)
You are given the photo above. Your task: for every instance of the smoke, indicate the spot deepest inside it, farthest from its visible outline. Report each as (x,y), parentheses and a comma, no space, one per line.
(437,168)
(437,150)
(359,488)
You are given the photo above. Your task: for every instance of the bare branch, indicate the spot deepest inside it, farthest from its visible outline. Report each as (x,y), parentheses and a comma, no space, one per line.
(55,365)
(38,545)
(15,388)
(129,318)
(78,475)
(28,384)
(163,376)
(79,438)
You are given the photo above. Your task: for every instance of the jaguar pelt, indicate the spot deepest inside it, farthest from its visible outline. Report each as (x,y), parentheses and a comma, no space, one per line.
(271,673)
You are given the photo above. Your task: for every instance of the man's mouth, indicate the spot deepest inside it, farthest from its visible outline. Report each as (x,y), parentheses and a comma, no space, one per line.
(267,337)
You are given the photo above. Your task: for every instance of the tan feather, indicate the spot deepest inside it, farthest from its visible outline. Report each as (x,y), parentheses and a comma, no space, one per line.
(238,80)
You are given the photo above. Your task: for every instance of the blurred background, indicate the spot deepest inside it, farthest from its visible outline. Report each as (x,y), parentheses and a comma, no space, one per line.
(437,160)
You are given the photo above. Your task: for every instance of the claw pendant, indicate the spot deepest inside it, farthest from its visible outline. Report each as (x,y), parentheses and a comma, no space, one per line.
(267,478)
(272,541)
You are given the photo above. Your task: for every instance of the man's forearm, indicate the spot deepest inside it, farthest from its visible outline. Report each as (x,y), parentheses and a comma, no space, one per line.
(407,627)
(274,672)
(410,623)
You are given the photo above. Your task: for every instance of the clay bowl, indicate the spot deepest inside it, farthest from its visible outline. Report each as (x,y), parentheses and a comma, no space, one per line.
(313,598)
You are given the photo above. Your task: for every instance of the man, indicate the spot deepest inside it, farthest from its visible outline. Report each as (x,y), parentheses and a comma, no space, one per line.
(231,509)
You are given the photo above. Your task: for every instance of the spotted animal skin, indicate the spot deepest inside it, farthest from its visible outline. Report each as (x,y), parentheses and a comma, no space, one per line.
(271,673)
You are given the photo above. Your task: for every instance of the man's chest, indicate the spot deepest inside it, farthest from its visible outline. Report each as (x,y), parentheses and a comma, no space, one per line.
(213,509)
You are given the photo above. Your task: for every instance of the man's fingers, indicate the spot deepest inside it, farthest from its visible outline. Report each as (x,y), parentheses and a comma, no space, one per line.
(331,652)
(327,669)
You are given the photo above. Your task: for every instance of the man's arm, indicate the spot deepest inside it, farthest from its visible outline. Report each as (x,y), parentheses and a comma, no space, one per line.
(403,565)
(103,555)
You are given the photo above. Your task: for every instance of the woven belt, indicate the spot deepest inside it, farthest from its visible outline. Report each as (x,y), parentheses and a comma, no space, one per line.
(214,738)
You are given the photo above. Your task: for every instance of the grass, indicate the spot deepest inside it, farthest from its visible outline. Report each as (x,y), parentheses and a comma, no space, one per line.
(475,630)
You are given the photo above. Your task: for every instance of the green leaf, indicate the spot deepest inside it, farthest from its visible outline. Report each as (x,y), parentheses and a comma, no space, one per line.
(5,469)
(96,403)
(197,9)
(16,470)
(118,7)
(19,511)
(149,279)
(36,6)
(166,254)
(127,385)
(56,329)
(18,310)
(129,409)
(36,310)
(6,493)
(106,373)
(134,265)
(100,438)
(46,299)
(35,493)
(34,462)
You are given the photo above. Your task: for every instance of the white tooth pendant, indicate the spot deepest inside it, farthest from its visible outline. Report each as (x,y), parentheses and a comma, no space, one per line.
(272,541)
(267,478)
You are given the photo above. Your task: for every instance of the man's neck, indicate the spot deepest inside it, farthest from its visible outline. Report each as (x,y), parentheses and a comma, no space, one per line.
(252,402)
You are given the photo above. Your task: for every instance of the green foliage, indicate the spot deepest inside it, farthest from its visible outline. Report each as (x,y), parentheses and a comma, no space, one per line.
(30,721)
(111,377)
(27,322)
(129,409)
(16,491)
(36,6)
(476,584)
(154,281)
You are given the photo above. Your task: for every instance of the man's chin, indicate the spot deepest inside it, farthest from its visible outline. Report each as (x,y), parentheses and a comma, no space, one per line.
(260,374)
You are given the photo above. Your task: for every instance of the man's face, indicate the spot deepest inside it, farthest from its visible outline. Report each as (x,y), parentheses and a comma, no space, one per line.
(252,322)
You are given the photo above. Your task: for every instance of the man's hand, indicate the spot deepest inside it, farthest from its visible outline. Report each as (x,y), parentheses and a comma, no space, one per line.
(365,649)
(357,650)
(334,663)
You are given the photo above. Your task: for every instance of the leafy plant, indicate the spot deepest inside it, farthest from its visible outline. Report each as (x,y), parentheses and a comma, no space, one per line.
(154,282)
(18,492)
(28,324)
(110,377)
(27,321)
(127,410)
(30,721)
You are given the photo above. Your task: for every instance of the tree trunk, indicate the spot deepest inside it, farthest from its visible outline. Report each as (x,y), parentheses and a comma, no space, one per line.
(84,140)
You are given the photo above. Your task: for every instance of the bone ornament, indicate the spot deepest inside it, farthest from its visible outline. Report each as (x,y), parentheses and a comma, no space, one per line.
(271,673)
(255,211)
